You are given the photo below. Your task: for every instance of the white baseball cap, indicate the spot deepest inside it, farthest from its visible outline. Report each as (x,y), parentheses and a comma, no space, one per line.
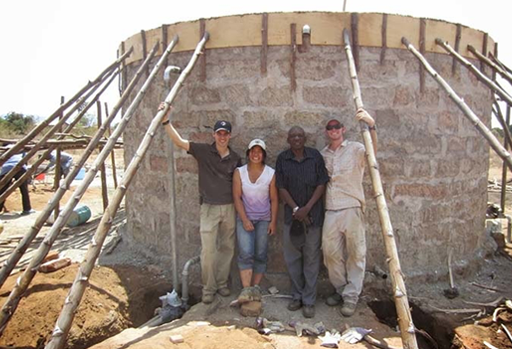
(258,142)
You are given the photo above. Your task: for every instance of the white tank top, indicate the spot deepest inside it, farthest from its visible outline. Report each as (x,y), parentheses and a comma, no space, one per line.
(256,196)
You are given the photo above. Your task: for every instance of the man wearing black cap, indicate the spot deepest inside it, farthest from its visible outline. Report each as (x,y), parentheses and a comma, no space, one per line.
(343,233)
(217,162)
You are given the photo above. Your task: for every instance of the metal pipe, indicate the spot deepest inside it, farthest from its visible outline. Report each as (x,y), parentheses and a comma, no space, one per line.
(184,279)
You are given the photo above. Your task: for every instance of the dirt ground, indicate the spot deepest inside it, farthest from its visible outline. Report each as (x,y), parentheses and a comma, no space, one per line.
(123,296)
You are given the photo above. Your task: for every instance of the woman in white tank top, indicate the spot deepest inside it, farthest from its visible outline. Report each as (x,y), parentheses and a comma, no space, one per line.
(256,202)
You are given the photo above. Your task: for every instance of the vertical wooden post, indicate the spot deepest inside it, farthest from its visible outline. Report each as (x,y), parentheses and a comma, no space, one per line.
(103,173)
(264,44)
(484,52)
(423,29)
(202,58)
(384,38)
(164,42)
(112,154)
(354,28)
(405,323)
(123,69)
(57,169)
(458,36)
(504,170)
(144,48)
(293,55)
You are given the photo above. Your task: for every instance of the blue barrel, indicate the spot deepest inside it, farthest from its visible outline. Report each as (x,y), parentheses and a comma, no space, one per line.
(80,215)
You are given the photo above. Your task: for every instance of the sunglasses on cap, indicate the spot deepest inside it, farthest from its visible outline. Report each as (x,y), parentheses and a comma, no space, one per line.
(333,127)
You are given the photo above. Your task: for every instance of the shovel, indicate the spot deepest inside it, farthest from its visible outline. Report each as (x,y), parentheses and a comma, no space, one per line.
(354,335)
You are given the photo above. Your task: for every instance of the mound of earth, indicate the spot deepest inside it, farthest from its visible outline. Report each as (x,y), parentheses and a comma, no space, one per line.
(118,297)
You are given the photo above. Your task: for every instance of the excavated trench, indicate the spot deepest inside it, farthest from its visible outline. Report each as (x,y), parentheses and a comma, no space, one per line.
(434,331)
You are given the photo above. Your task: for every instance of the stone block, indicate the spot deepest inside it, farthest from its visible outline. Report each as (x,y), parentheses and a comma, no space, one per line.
(276,97)
(158,163)
(303,118)
(421,190)
(200,95)
(186,164)
(326,96)
(251,309)
(238,95)
(448,167)
(403,96)
(316,70)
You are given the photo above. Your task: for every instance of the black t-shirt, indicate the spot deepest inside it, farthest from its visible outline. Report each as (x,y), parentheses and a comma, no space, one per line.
(215,173)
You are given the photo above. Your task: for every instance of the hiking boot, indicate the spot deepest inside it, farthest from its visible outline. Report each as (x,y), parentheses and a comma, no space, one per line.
(308,311)
(246,295)
(208,298)
(348,309)
(295,305)
(334,299)
(256,293)
(224,291)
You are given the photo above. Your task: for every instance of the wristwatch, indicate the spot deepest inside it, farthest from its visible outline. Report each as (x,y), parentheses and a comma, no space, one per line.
(295,209)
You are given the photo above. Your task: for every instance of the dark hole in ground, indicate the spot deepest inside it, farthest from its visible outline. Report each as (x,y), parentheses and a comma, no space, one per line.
(439,328)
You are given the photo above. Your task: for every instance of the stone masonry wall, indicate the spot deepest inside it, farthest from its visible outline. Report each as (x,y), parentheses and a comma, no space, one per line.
(433,162)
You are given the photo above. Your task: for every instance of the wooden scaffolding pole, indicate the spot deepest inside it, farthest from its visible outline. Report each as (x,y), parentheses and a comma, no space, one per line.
(405,323)
(112,153)
(34,132)
(46,153)
(103,173)
(16,255)
(484,131)
(6,179)
(488,82)
(505,75)
(74,297)
(506,145)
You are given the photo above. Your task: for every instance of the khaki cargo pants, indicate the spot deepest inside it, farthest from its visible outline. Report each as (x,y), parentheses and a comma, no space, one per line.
(217,229)
(344,249)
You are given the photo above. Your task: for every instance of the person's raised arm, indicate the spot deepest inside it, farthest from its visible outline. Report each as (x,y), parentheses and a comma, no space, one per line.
(171,131)
(362,115)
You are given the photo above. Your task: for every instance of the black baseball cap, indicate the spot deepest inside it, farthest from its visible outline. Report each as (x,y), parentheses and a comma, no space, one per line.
(222,125)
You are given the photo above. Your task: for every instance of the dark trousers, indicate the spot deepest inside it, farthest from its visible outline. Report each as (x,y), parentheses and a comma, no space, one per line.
(25,198)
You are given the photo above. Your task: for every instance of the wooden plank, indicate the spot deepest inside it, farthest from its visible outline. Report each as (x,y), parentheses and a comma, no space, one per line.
(202,58)
(293,53)
(457,47)
(264,43)
(384,33)
(226,31)
(369,24)
(354,29)
(399,26)
(423,29)
(436,29)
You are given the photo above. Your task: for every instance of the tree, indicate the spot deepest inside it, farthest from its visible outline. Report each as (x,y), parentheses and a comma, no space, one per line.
(18,123)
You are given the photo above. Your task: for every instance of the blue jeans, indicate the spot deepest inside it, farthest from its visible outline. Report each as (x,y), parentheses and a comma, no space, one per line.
(252,246)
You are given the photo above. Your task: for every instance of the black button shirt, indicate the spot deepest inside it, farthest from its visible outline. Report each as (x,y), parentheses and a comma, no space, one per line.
(215,173)
(300,179)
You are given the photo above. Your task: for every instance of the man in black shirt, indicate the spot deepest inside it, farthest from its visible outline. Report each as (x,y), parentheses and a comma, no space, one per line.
(217,162)
(301,177)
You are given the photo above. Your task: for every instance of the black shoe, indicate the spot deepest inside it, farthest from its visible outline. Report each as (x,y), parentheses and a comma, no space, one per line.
(334,299)
(295,305)
(308,311)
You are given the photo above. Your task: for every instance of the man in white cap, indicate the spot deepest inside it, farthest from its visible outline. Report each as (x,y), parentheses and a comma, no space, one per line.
(217,162)
(343,232)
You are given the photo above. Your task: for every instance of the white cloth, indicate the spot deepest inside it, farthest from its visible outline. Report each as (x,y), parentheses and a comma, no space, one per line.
(256,196)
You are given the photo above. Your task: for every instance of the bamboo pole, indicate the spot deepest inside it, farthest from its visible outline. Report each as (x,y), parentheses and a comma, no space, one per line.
(506,145)
(407,329)
(493,142)
(16,255)
(503,123)
(71,143)
(487,82)
(6,179)
(24,281)
(500,63)
(34,132)
(74,297)
(112,153)
(103,173)
(43,157)
(491,64)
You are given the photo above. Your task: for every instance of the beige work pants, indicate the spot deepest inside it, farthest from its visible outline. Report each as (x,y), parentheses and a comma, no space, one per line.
(217,229)
(344,249)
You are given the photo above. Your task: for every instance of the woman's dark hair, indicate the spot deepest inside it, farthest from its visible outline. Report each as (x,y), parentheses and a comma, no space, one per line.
(263,150)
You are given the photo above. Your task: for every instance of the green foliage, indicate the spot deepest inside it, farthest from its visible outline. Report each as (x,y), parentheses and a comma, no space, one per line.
(16,123)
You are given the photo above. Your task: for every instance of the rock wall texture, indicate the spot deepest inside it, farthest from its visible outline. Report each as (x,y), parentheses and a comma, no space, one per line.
(433,162)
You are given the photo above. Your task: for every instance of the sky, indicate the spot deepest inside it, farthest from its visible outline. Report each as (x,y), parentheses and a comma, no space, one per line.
(51,48)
